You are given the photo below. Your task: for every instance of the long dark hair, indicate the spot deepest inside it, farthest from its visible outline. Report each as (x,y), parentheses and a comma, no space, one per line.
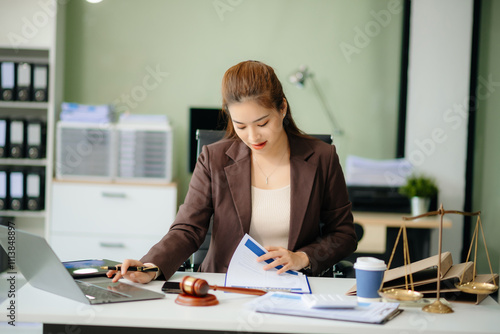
(253,80)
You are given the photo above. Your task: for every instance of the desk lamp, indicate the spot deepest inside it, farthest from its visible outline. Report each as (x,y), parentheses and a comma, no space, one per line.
(299,79)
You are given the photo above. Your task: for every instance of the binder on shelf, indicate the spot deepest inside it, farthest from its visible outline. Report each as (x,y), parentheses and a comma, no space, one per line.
(35,189)
(3,189)
(7,80)
(35,143)
(23,82)
(17,138)
(4,137)
(40,82)
(17,189)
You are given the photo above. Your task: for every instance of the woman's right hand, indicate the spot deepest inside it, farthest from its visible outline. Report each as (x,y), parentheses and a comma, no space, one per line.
(134,276)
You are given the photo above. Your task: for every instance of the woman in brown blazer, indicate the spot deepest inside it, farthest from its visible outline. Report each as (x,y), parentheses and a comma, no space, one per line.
(266,178)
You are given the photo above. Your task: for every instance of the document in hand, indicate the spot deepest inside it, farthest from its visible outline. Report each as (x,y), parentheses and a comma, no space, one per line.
(292,304)
(245,271)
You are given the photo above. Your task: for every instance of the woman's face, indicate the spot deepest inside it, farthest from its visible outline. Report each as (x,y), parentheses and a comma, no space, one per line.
(261,129)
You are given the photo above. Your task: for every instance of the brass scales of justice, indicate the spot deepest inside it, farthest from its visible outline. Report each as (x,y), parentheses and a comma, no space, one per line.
(473,287)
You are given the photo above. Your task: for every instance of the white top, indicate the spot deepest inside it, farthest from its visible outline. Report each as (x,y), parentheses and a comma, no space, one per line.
(270,224)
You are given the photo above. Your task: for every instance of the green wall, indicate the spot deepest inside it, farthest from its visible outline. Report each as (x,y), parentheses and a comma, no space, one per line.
(112,46)
(486,194)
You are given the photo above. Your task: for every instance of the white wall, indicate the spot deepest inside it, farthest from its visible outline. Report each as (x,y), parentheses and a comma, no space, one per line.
(438,95)
(353,48)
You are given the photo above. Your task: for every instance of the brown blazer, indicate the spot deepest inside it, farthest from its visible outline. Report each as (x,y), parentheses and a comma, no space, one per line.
(221,186)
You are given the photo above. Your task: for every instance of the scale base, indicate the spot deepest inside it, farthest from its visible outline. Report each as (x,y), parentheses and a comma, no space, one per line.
(437,307)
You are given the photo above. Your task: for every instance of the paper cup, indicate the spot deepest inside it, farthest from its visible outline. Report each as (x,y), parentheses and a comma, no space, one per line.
(369,276)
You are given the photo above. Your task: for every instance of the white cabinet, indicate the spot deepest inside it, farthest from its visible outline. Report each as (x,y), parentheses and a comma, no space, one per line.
(109,220)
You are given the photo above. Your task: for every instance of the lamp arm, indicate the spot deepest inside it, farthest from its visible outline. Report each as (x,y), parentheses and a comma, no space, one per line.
(336,129)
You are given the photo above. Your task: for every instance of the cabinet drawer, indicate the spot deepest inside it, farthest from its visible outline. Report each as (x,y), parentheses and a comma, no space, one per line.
(113,209)
(74,247)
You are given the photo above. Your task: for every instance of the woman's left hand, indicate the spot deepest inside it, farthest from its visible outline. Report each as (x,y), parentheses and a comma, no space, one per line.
(282,256)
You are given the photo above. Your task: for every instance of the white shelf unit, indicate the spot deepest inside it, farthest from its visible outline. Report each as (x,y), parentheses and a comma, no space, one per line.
(109,220)
(44,44)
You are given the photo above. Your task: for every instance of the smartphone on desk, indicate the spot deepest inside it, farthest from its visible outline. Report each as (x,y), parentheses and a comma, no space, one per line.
(171,287)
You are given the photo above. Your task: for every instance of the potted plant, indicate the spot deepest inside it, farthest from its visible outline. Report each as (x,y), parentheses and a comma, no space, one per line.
(419,189)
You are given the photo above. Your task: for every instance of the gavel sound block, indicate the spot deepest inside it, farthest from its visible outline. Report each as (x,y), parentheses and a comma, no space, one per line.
(195,292)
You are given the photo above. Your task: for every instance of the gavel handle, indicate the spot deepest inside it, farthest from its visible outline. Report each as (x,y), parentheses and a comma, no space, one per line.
(247,291)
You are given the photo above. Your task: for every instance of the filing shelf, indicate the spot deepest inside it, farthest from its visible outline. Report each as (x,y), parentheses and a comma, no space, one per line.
(27,110)
(23,162)
(21,214)
(44,48)
(24,105)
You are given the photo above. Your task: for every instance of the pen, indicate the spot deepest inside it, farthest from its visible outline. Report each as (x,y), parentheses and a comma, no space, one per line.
(143,269)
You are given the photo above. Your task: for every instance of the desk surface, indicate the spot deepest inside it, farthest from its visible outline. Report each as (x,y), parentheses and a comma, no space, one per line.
(34,305)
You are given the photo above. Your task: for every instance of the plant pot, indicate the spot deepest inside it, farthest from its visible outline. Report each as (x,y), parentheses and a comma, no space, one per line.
(419,205)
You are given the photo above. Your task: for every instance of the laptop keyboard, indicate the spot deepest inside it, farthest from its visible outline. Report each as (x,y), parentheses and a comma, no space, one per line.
(95,292)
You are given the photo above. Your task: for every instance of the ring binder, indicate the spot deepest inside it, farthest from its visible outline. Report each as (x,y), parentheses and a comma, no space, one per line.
(3,189)
(23,82)
(16,190)
(40,83)
(35,188)
(35,134)
(4,137)
(7,80)
(17,138)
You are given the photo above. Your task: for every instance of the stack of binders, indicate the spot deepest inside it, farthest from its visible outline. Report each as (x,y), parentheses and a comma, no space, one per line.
(21,81)
(22,138)
(22,188)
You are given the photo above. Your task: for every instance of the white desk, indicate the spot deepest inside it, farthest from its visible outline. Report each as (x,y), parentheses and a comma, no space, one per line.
(34,305)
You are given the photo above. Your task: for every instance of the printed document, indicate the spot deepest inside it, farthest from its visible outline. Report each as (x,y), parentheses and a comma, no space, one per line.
(245,271)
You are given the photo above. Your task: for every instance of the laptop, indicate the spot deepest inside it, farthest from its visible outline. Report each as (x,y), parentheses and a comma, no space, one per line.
(43,270)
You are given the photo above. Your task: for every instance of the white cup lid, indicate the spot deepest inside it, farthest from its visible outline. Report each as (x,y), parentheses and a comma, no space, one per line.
(369,263)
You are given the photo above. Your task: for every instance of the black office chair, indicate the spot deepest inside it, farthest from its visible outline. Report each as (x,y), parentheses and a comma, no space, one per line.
(206,137)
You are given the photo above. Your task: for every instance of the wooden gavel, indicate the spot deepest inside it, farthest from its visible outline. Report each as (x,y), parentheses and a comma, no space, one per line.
(199,288)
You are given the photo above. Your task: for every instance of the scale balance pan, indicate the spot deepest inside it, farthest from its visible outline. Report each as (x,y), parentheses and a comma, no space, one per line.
(401,294)
(477,288)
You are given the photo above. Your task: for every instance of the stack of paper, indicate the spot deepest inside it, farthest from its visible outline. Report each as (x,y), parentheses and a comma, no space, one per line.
(81,113)
(370,172)
(148,119)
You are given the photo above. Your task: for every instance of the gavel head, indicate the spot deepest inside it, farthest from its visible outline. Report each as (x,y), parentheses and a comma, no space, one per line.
(194,286)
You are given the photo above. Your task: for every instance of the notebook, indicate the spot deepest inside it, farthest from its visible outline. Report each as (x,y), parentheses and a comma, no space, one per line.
(43,270)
